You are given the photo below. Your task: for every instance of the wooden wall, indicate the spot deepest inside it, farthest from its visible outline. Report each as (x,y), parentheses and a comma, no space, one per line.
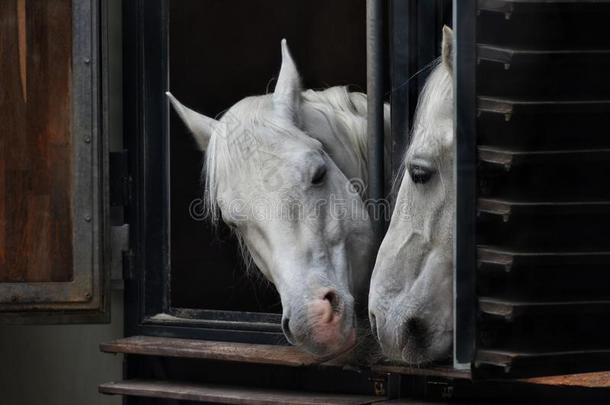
(35,140)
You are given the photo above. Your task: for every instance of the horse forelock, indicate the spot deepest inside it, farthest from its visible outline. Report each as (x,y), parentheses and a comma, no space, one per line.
(437,92)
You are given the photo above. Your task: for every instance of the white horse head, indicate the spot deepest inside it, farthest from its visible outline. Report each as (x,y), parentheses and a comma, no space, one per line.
(277,169)
(411,294)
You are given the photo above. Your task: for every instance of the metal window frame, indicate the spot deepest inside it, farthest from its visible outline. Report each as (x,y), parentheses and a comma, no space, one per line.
(148,306)
(149,310)
(83,299)
(466,184)
(415,38)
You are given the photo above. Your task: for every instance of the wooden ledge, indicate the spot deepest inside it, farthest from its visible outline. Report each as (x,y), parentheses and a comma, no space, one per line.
(598,380)
(228,394)
(208,350)
(430,371)
(408,401)
(292,357)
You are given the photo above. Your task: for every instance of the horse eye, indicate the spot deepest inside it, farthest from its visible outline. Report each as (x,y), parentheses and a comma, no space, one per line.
(420,174)
(319,176)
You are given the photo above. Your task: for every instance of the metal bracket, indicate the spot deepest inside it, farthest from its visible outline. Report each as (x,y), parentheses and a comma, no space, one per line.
(119,243)
(120,189)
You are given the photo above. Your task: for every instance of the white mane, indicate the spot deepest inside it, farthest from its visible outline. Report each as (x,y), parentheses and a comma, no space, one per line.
(438,87)
(239,137)
(349,110)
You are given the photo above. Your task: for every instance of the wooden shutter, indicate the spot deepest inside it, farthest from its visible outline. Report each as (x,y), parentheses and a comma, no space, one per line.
(52,180)
(533,98)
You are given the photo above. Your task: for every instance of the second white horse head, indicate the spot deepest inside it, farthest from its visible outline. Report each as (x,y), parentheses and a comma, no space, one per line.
(411,295)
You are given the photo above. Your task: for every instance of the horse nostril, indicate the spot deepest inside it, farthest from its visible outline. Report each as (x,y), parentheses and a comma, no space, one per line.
(331,297)
(286,329)
(373,322)
(415,328)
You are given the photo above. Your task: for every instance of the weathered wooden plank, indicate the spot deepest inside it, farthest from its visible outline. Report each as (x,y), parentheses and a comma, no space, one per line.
(2,211)
(200,349)
(293,357)
(251,353)
(11,115)
(407,401)
(584,380)
(228,394)
(36,150)
(433,370)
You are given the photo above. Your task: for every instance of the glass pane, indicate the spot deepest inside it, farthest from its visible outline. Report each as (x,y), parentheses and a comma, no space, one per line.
(36,141)
(220,52)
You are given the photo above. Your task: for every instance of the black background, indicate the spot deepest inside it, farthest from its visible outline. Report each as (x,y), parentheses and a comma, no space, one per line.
(215,61)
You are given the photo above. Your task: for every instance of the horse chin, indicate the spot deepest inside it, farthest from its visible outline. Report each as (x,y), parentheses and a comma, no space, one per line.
(329,353)
(342,344)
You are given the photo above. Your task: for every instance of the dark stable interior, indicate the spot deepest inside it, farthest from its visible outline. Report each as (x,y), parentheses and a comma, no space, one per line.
(215,61)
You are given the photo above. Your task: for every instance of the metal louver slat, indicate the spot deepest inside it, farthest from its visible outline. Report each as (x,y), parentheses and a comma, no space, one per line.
(555,74)
(550,175)
(511,363)
(540,125)
(543,24)
(542,276)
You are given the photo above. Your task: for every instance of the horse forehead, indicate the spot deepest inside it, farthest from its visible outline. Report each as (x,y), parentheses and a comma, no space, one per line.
(261,169)
(432,137)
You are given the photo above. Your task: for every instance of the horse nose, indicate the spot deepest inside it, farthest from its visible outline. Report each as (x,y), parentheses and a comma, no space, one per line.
(328,308)
(286,329)
(415,329)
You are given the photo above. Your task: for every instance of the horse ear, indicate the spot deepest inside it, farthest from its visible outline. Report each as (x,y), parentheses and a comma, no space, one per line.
(287,94)
(200,126)
(447,49)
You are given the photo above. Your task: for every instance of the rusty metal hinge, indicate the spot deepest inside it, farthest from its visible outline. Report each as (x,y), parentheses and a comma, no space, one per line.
(386,385)
(379,385)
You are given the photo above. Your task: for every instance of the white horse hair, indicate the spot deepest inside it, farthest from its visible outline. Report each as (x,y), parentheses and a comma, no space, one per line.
(344,112)
(277,168)
(411,294)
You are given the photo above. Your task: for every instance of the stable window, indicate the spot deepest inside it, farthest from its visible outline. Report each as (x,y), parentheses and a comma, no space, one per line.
(531,114)
(190,275)
(516,220)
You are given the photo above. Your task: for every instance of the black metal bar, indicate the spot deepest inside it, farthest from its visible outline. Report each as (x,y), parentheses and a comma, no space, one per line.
(466,161)
(428,40)
(402,60)
(146,67)
(374,67)
(415,37)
